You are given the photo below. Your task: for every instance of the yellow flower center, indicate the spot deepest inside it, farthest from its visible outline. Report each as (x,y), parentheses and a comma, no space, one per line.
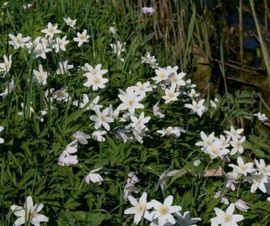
(164,210)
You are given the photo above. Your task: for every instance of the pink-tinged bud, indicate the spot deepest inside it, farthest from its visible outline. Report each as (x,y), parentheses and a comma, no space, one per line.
(241,205)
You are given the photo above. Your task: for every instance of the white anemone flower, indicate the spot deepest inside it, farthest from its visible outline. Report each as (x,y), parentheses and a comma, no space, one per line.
(81,137)
(148,10)
(85,101)
(18,40)
(51,30)
(118,48)
(60,44)
(234,133)
(157,111)
(170,95)
(99,135)
(102,119)
(139,123)
(197,107)
(226,218)
(140,208)
(29,213)
(9,88)
(41,75)
(237,145)
(242,168)
(94,77)
(261,117)
(241,205)
(81,37)
(148,59)
(130,100)
(206,140)
(163,211)
(63,68)
(5,67)
(71,23)
(93,177)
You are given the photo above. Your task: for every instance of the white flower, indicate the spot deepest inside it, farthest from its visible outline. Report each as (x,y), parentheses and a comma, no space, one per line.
(132,178)
(231,180)
(234,133)
(85,101)
(94,77)
(241,205)
(51,30)
(197,162)
(177,79)
(25,109)
(216,149)
(81,38)
(185,220)
(63,68)
(261,177)
(130,185)
(242,168)
(5,67)
(197,107)
(162,74)
(226,218)
(98,135)
(223,198)
(122,134)
(129,189)
(39,47)
(170,95)
(81,137)
(163,212)
(27,6)
(10,87)
(18,41)
(148,59)
(142,88)
(259,181)
(1,139)
(61,95)
(94,177)
(157,112)
(139,123)
(60,44)
(148,10)
(237,145)
(171,131)
(102,118)
(29,213)
(206,140)
(261,117)
(214,103)
(41,75)
(72,147)
(193,93)
(139,209)
(71,23)
(113,30)
(263,169)
(118,48)
(130,100)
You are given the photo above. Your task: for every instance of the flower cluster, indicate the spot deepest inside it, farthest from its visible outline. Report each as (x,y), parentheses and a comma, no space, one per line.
(158,213)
